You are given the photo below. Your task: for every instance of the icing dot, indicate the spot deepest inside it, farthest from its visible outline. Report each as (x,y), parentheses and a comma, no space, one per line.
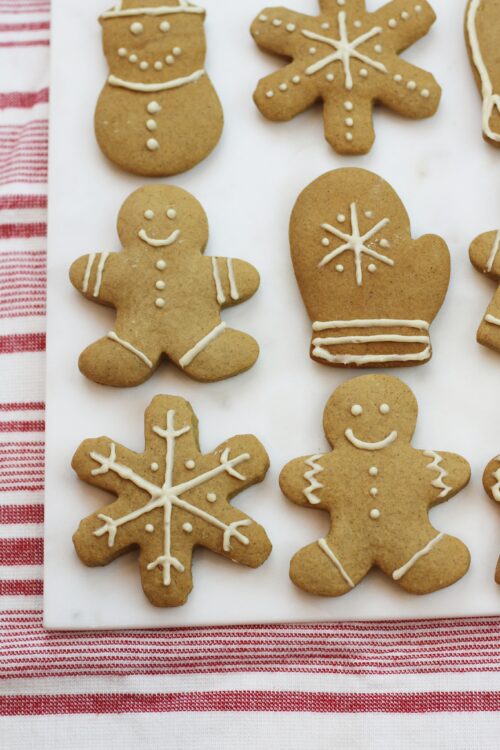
(425,93)
(385,243)
(177,51)
(153,144)
(341,218)
(171,213)
(325,242)
(165,26)
(158,65)
(398,77)
(340,2)
(262,18)
(270,94)
(369,214)
(160,303)
(151,125)
(136,27)
(190,464)
(325,25)
(373,472)
(283,87)
(149,528)
(312,50)
(160,285)
(349,122)
(161,265)
(153,108)
(154,467)
(384,408)
(358,24)
(330,77)
(356,410)
(133,58)
(363,73)
(372,268)
(374,492)
(349,136)
(392,23)
(418,8)
(405,15)
(296,79)
(212,497)
(339,268)
(169,59)
(375,514)
(144,65)
(290,27)
(187,527)
(122,52)
(411,85)
(277,22)
(378,48)
(149,215)
(349,106)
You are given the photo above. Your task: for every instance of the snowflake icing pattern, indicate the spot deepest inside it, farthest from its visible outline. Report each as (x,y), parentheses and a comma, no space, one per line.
(349,59)
(235,532)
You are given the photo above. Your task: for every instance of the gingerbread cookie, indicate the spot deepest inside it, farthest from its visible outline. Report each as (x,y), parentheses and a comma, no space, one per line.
(158,113)
(491,482)
(378,491)
(348,58)
(482,30)
(485,257)
(371,291)
(167,296)
(170,500)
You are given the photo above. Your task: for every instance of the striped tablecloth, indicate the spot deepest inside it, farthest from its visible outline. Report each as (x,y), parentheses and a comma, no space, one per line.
(427,684)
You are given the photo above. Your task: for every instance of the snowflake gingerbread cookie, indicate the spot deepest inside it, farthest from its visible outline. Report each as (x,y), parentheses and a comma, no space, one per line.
(378,491)
(371,291)
(491,482)
(170,500)
(482,30)
(167,295)
(348,58)
(158,113)
(485,257)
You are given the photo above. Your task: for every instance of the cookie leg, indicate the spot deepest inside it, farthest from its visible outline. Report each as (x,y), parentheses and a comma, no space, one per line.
(115,361)
(224,352)
(329,568)
(349,125)
(440,563)
(489,331)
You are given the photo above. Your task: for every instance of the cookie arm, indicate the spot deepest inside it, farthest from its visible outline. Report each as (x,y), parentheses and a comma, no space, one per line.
(491,479)
(100,461)
(94,276)
(300,481)
(448,474)
(235,281)
(249,471)
(410,23)
(275,30)
(484,254)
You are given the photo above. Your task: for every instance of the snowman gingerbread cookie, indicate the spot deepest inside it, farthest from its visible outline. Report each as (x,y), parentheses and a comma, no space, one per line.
(370,289)
(378,490)
(158,113)
(485,257)
(167,295)
(171,499)
(482,30)
(491,483)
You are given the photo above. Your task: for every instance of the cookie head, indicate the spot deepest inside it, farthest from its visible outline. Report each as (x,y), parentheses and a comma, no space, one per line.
(162,216)
(371,413)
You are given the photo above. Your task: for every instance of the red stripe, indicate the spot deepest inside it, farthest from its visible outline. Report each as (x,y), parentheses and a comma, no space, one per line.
(17,514)
(21,201)
(35,425)
(34,43)
(26,406)
(21,551)
(21,588)
(251,701)
(24,231)
(22,342)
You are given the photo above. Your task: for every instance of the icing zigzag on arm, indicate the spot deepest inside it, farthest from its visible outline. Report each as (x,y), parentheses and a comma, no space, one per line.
(439,482)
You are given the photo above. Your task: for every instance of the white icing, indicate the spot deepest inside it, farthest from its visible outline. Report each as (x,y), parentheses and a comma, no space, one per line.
(144,65)
(357,243)
(149,528)
(169,59)
(374,492)
(375,514)
(495,490)
(187,527)
(378,48)
(177,51)
(165,26)
(376,446)
(100,271)
(153,87)
(160,303)
(438,483)
(171,214)
(325,242)
(149,215)
(384,408)
(310,476)
(312,51)
(122,52)
(166,242)
(330,554)
(283,87)
(153,108)
(398,574)
(186,360)
(372,268)
(212,497)
(136,28)
(160,285)
(190,464)
(349,136)
(127,345)
(221,297)
(133,58)
(296,79)
(161,265)
(88,271)
(158,65)
(160,10)
(154,466)
(235,295)
(411,85)
(270,94)
(491,319)
(152,144)
(491,101)
(373,472)
(339,268)
(357,410)
(151,125)
(392,23)
(345,50)
(425,93)
(380,323)
(494,253)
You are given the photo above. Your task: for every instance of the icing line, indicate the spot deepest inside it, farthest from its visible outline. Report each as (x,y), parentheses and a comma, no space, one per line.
(438,483)
(126,345)
(143,235)
(494,253)
(490,99)
(152,87)
(186,360)
(346,359)
(221,297)
(235,295)
(100,270)
(491,319)
(323,544)
(495,490)
(88,271)
(371,339)
(161,10)
(310,476)
(364,446)
(382,323)
(398,574)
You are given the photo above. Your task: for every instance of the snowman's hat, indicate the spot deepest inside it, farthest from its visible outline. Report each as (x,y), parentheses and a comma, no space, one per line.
(151,8)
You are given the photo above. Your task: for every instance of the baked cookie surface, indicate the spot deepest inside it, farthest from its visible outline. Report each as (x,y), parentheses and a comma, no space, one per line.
(485,257)
(482,32)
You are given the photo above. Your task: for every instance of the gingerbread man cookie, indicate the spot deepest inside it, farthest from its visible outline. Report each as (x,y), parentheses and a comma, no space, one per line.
(482,30)
(371,291)
(378,491)
(167,296)
(170,500)
(491,482)
(348,58)
(158,113)
(485,257)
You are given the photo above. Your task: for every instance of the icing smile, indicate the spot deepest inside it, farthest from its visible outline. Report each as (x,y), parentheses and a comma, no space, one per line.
(362,445)
(143,235)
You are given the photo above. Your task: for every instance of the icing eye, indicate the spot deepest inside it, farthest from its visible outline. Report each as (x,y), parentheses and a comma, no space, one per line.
(357,410)
(384,408)
(164,26)
(172,213)
(149,214)
(136,28)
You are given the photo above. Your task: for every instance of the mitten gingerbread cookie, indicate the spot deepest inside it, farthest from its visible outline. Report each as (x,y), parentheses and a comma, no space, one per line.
(482,30)
(170,500)
(371,291)
(485,257)
(378,491)
(348,58)
(167,296)
(158,113)
(491,482)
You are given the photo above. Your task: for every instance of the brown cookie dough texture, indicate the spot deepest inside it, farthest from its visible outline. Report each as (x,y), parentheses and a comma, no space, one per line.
(482,33)
(167,295)
(491,482)
(348,59)
(158,113)
(171,499)
(485,257)
(378,491)
(371,291)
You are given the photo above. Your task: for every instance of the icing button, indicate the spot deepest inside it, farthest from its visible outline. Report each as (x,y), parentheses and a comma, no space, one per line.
(187,527)
(160,285)
(151,124)
(161,265)
(212,497)
(373,471)
(153,144)
(160,303)
(153,108)
(374,492)
(375,514)
(149,528)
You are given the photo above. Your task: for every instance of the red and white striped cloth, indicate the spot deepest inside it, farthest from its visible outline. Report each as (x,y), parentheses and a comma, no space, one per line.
(389,685)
